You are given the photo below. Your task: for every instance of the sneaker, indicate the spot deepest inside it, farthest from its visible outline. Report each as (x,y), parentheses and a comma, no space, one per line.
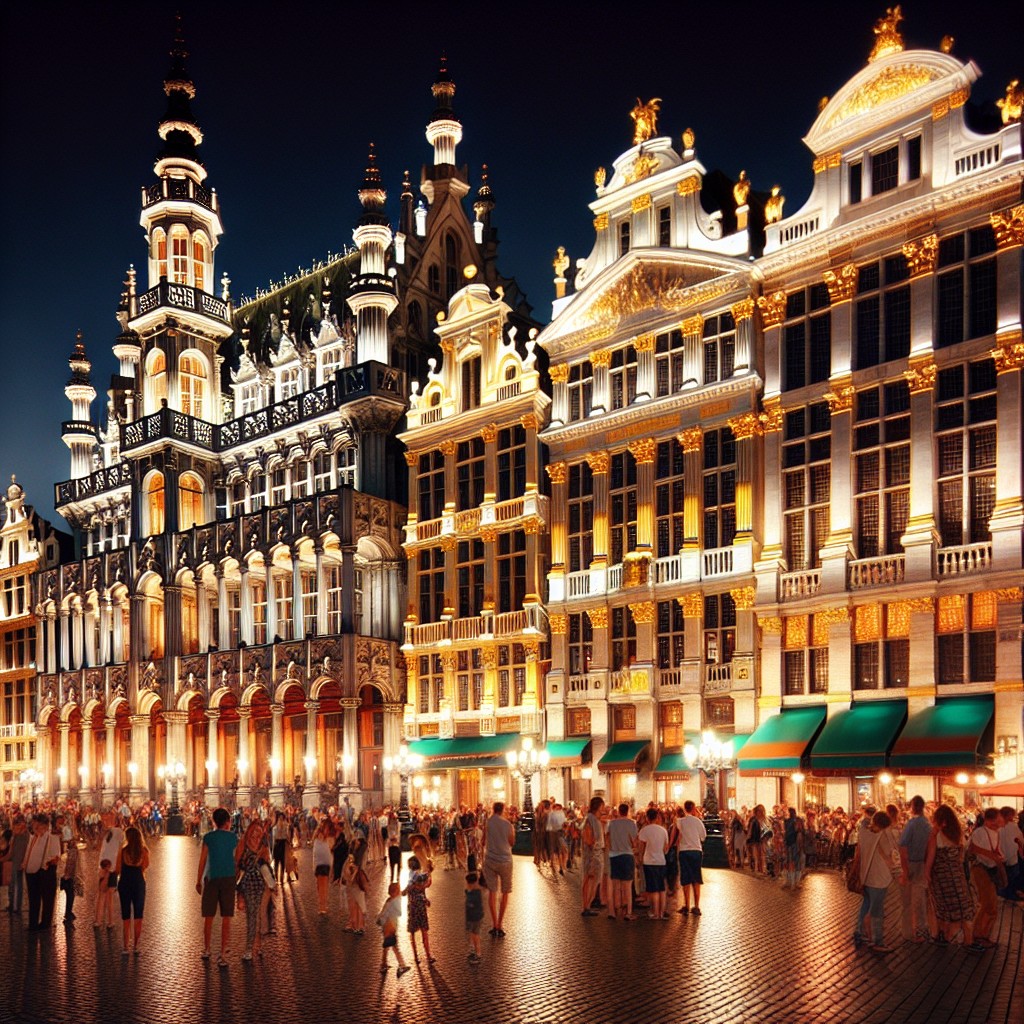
(402,970)
(683,910)
(695,911)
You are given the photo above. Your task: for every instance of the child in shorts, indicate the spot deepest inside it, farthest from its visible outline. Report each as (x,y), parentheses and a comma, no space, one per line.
(474,914)
(104,897)
(387,921)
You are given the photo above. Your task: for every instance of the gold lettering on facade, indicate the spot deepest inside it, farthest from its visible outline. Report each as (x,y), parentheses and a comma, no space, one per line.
(940,108)
(713,409)
(773,309)
(643,427)
(841,284)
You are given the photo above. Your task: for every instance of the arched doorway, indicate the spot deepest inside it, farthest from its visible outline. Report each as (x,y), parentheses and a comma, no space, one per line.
(331,739)
(371,746)
(294,736)
(261,742)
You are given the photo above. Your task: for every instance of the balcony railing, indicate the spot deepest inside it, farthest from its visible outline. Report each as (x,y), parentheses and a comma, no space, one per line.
(718,678)
(630,681)
(803,583)
(614,577)
(182,296)
(718,562)
(178,189)
(585,686)
(107,479)
(469,521)
(676,680)
(877,572)
(523,622)
(668,569)
(577,584)
(964,559)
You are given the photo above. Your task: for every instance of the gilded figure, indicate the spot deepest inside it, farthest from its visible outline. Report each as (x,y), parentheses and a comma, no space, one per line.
(888,38)
(1012,105)
(645,119)
(741,189)
(773,205)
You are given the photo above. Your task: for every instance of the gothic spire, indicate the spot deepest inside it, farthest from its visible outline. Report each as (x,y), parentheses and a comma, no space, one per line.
(178,129)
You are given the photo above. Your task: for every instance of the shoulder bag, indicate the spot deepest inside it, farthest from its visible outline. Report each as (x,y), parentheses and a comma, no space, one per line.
(853,879)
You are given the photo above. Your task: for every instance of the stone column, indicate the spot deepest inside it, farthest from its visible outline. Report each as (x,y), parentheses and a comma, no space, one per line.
(243,762)
(921,538)
(111,785)
(838,549)
(321,592)
(105,622)
(1009,694)
(78,636)
(51,642)
(746,429)
(140,789)
(298,619)
(529,422)
(214,773)
(559,394)
(599,463)
(312,776)
(117,654)
(172,625)
(86,769)
(277,755)
(600,360)
(65,640)
(921,689)
(64,770)
(646,383)
(223,618)
(693,361)
(691,440)
(769,701)
(89,635)
(271,602)
(743,315)
(350,709)
(772,560)
(246,626)
(744,657)
(644,451)
(348,589)
(692,605)
(559,502)
(392,741)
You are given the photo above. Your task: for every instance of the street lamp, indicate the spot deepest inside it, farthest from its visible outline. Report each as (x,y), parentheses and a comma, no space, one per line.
(523,764)
(32,778)
(174,773)
(711,757)
(404,764)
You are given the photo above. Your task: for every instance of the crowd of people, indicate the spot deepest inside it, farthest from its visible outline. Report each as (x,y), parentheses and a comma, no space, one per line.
(952,864)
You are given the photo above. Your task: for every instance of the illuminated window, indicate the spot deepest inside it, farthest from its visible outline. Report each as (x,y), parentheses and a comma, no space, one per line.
(719,348)
(179,259)
(160,252)
(581,390)
(805,655)
(719,628)
(192,379)
(290,384)
(155,503)
(806,484)
(259,612)
(199,263)
(966,287)
(431,683)
(581,644)
(251,399)
(622,502)
(966,628)
(156,373)
(511,556)
(622,377)
(190,498)
(430,582)
(881,653)
(671,721)
(469,573)
(333,572)
(719,488)
(671,635)
(669,490)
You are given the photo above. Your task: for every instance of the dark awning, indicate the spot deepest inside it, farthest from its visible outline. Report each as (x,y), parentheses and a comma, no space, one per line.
(466,751)
(946,737)
(622,757)
(780,743)
(859,737)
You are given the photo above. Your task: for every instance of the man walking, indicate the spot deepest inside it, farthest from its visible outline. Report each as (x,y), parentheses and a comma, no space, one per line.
(41,874)
(219,890)
(914,885)
(691,855)
(499,835)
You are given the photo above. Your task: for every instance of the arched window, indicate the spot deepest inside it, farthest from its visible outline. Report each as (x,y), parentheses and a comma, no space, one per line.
(154,489)
(451,265)
(192,378)
(156,372)
(154,619)
(179,258)
(160,253)
(190,501)
(199,263)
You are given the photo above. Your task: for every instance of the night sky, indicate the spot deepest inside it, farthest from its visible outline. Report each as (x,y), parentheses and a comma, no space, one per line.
(289,95)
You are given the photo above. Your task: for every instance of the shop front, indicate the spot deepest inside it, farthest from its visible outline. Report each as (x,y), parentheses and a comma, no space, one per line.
(778,750)
(621,765)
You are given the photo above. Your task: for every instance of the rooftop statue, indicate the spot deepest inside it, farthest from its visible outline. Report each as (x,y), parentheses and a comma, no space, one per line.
(645,119)
(888,38)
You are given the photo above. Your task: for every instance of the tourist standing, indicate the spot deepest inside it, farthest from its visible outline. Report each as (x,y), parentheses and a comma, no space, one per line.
(474,914)
(873,861)
(16,857)
(416,891)
(1011,842)
(251,857)
(691,856)
(388,918)
(71,881)
(622,839)
(280,834)
(41,858)
(218,852)
(944,876)
(132,861)
(323,839)
(499,836)
(987,860)
(555,837)
(653,843)
(913,850)
(593,855)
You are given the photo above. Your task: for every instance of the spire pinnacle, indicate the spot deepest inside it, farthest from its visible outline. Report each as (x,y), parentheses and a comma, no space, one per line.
(178,129)
(79,362)
(372,194)
(443,90)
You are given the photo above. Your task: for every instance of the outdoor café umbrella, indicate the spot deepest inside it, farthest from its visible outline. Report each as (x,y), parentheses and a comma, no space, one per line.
(1008,787)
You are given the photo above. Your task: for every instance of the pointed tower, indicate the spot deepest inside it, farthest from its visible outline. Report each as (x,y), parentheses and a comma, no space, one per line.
(372,294)
(444,133)
(79,433)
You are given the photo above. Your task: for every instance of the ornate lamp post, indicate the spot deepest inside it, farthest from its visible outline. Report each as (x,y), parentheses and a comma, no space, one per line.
(711,757)
(404,764)
(523,764)
(32,778)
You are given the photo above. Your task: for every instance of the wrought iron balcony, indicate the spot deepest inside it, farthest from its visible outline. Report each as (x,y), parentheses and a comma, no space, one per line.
(107,479)
(182,296)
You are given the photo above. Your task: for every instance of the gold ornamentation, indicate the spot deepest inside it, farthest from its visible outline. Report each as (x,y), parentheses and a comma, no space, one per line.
(1009,595)
(693,326)
(559,374)
(556,472)
(1008,226)
(689,139)
(841,285)
(600,177)
(601,222)
(1010,352)
(692,604)
(598,617)
(741,189)
(921,255)
(773,205)
(745,426)
(634,569)
(532,648)
(489,534)
(958,99)
(795,632)
(946,45)
(447,543)
(887,34)
(641,203)
(1011,107)
(642,612)
(644,343)
(690,439)
(742,310)
(770,624)
(531,525)
(889,84)
(688,186)
(832,616)
(560,264)
(601,357)
(834,159)
(643,450)
(840,398)
(940,108)
(867,622)
(648,286)
(528,420)
(448,659)
(598,462)
(489,657)
(489,433)
(744,598)
(921,375)
(773,309)
(558,624)
(645,119)
(412,458)
(642,167)
(446,447)
(448,345)
(920,605)
(818,165)
(771,418)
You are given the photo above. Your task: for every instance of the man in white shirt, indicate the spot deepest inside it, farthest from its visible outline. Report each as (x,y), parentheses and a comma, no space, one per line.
(691,853)
(984,848)
(554,824)
(41,874)
(622,840)
(1011,842)
(653,843)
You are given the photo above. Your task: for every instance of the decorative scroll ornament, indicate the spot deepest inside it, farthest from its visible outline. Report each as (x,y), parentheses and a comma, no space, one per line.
(745,426)
(556,472)
(599,462)
(1008,226)
(889,84)
(643,612)
(528,420)
(888,38)
(559,624)
(643,450)
(1011,107)
(773,309)
(691,439)
(921,375)
(1010,353)
(645,119)
(744,598)
(840,398)
(598,617)
(771,418)
(692,605)
(559,374)
(841,285)
(446,447)
(921,255)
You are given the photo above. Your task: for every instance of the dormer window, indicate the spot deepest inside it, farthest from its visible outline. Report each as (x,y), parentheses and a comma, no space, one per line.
(624,238)
(289,383)
(914,158)
(665,227)
(885,170)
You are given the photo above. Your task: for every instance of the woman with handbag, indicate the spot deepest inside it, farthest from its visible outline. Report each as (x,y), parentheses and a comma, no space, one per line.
(948,890)
(988,873)
(872,869)
(759,831)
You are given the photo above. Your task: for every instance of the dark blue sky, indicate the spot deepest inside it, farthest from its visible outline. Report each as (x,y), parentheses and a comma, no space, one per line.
(290,94)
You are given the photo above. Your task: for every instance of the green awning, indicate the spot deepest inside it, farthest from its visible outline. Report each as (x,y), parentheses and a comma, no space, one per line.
(466,751)
(622,757)
(948,736)
(672,764)
(780,743)
(859,737)
(567,751)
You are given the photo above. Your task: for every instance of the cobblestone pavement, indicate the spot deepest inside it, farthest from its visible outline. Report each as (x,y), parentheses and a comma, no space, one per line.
(758,953)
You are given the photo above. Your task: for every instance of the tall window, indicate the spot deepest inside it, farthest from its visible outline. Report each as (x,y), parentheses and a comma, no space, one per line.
(469,573)
(805,655)
(278,484)
(670,719)
(881,649)
(283,605)
(469,470)
(309,603)
(511,463)
(451,265)
(719,347)
(806,484)
(581,644)
(669,497)
(623,638)
(471,383)
(345,466)
(966,625)
(581,390)
(882,312)
(668,363)
(155,503)
(434,278)
(719,628)
(257,490)
(807,338)
(581,517)
(881,443)
(622,377)
(157,372)
(199,263)
(885,170)
(192,380)
(470,679)
(14,597)
(965,427)
(190,499)
(333,572)
(430,577)
(671,633)
(236,498)
(511,675)
(155,621)
(290,382)
(665,227)
(624,231)
(160,250)
(966,286)
(622,502)
(179,259)
(323,463)
(719,488)
(251,398)
(430,683)
(511,549)
(259,611)
(430,484)
(300,478)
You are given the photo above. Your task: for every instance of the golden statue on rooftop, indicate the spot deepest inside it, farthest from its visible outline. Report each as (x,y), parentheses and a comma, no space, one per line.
(888,38)
(773,206)
(645,119)
(1012,105)
(741,189)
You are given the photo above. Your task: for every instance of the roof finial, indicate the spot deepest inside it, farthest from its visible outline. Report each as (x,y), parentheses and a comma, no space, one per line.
(178,128)
(443,88)
(888,38)
(372,194)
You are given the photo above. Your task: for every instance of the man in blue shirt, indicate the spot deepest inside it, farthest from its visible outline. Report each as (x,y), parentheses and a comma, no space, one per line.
(219,889)
(913,849)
